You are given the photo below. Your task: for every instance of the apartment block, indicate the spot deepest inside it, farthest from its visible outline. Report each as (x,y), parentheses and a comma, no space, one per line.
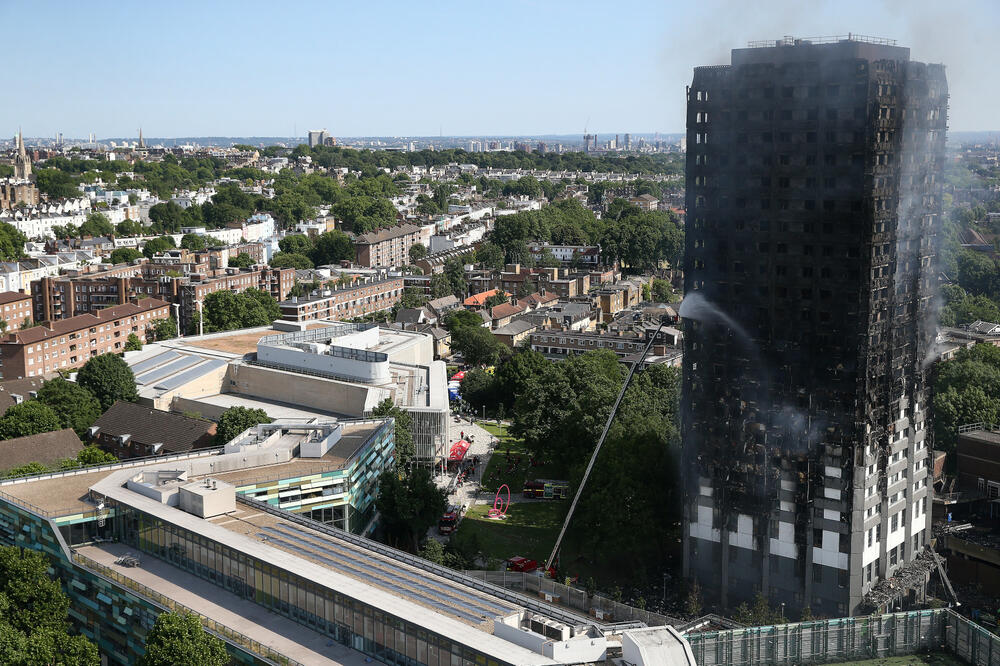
(69,343)
(16,310)
(813,198)
(344,302)
(171,278)
(387,247)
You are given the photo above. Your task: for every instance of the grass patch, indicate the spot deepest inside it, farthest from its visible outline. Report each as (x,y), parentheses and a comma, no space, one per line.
(511,464)
(933,659)
(495,430)
(529,531)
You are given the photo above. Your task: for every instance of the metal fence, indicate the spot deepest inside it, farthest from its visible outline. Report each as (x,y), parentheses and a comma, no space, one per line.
(597,606)
(228,634)
(313,334)
(848,639)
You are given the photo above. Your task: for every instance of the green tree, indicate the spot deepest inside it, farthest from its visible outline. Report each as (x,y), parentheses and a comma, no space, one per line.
(440,285)
(662,292)
(454,270)
(404,431)
(28,418)
(692,602)
(109,378)
(194,242)
(97,224)
(28,469)
(515,375)
(458,318)
(11,242)
(168,217)
(433,551)
(94,455)
(76,407)
(478,388)
(496,299)
(133,343)
(237,419)
(332,247)
(56,184)
(490,256)
(242,260)
(290,260)
(178,639)
(157,245)
(477,345)
(129,228)
(548,260)
(417,252)
(65,231)
(226,310)
(296,244)
(163,329)
(125,255)
(409,505)
(34,627)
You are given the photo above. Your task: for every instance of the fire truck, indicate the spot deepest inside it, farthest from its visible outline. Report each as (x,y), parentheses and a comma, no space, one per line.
(449,521)
(546,488)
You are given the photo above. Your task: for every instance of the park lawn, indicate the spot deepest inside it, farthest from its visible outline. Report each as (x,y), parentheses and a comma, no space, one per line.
(497,474)
(933,659)
(529,530)
(495,429)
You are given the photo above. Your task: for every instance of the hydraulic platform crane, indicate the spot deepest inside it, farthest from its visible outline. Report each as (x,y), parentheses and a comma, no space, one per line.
(600,442)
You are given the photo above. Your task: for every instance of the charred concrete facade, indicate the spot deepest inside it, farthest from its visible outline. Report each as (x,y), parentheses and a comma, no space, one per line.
(813,197)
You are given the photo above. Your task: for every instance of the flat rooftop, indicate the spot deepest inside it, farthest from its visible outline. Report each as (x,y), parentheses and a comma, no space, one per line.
(988,436)
(285,636)
(352,437)
(365,566)
(62,495)
(69,493)
(242,341)
(274,409)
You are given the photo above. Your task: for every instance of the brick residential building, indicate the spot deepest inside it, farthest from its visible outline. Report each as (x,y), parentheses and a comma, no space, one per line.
(16,309)
(69,343)
(346,302)
(129,430)
(275,281)
(174,280)
(387,247)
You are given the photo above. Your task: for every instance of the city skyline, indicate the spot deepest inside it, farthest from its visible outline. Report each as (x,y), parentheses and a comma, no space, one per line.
(459,71)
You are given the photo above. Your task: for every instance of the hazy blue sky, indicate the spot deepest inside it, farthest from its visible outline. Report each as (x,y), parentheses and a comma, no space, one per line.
(209,67)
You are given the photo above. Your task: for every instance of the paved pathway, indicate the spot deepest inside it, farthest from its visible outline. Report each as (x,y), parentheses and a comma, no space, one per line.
(482,447)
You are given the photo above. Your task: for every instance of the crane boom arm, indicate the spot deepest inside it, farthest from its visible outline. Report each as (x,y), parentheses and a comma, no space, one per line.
(600,442)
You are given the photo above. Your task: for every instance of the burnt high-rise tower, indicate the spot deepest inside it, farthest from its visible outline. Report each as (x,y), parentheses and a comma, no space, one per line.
(813,197)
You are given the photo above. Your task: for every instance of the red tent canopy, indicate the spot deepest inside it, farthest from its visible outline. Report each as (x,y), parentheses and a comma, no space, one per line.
(460,375)
(458,451)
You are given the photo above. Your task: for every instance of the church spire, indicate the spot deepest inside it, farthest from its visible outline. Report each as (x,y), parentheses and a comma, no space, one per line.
(22,165)
(142,144)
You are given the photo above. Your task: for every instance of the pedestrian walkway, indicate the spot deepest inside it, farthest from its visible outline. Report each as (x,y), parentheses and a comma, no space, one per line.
(481,445)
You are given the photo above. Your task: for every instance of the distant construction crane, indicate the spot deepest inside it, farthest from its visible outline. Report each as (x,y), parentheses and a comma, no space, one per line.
(600,443)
